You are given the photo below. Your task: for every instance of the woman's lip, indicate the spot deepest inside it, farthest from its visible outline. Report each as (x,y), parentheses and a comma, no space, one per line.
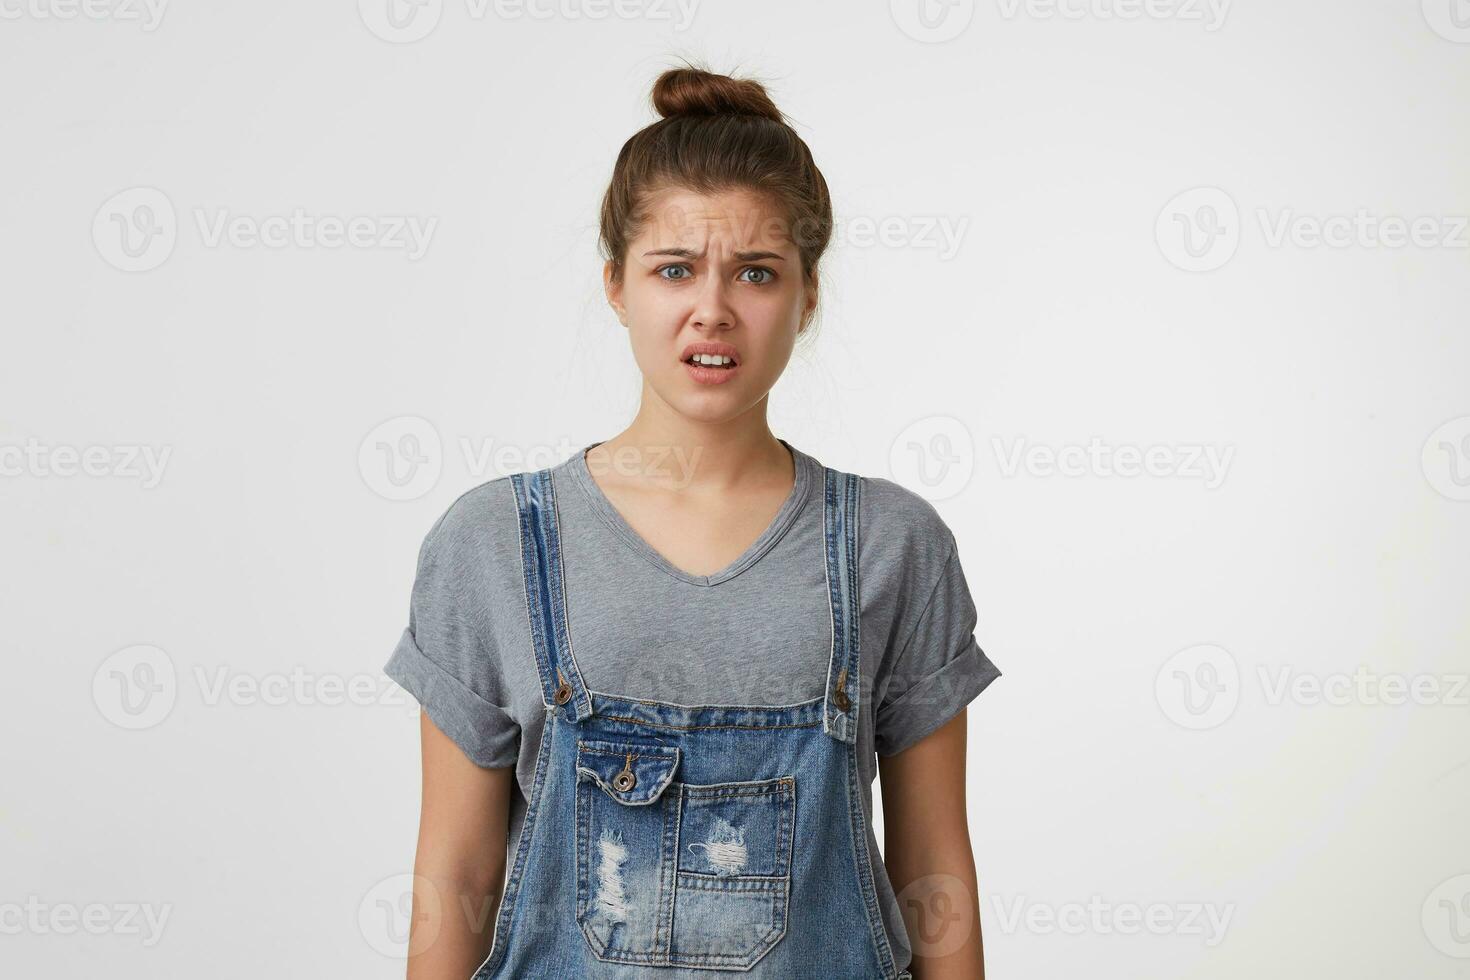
(710,375)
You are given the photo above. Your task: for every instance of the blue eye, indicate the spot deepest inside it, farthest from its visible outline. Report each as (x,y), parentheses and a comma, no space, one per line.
(662,269)
(761,269)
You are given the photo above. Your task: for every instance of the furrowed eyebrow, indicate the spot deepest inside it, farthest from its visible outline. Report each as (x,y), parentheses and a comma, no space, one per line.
(687,253)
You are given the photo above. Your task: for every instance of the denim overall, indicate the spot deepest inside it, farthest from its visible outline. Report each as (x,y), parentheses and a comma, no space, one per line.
(666,841)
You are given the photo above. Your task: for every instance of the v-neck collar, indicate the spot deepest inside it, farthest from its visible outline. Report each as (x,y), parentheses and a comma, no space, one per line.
(806,467)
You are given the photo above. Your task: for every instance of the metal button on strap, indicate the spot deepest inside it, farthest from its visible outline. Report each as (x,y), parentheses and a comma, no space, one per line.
(563,690)
(843,701)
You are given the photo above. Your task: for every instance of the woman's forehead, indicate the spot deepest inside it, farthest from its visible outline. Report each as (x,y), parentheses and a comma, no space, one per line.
(738,221)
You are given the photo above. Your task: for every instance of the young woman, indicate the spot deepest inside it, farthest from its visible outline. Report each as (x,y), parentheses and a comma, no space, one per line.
(659,678)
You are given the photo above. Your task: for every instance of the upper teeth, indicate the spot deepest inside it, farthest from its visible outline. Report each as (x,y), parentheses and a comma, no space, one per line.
(712,359)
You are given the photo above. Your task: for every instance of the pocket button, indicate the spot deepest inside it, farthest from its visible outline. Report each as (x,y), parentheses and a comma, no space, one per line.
(624,781)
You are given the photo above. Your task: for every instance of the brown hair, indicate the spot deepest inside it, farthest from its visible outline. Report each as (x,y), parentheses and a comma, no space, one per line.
(717,133)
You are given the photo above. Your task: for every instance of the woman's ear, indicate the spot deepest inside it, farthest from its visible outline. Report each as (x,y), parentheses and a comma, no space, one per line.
(809,304)
(613,290)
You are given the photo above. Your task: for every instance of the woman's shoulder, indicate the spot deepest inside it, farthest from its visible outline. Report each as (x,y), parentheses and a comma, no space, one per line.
(891,508)
(481,523)
(901,532)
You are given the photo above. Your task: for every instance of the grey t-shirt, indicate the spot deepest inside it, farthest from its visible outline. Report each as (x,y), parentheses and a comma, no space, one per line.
(758,632)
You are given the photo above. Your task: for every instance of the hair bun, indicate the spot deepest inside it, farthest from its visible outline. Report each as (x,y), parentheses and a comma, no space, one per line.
(694,92)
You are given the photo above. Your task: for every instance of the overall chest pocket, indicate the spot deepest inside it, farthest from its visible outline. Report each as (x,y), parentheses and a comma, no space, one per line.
(677,874)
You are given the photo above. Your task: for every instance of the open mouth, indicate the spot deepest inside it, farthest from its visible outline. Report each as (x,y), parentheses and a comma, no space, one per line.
(710,361)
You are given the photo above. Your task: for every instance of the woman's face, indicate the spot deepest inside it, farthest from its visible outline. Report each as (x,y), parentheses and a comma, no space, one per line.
(716,275)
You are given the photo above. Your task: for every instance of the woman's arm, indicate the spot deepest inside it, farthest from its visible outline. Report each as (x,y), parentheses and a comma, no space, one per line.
(459,868)
(926,849)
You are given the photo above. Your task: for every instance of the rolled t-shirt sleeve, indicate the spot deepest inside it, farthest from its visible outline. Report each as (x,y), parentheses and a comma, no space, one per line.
(939,669)
(444,659)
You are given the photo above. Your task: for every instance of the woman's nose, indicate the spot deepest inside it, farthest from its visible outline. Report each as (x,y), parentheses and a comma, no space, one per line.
(712,308)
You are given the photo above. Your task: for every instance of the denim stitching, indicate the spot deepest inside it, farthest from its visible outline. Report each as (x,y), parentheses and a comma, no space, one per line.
(501,941)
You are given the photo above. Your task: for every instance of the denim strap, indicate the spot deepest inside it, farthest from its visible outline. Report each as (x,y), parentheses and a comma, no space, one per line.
(840,531)
(561,681)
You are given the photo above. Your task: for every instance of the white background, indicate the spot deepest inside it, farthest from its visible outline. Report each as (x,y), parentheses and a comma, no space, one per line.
(1138,752)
